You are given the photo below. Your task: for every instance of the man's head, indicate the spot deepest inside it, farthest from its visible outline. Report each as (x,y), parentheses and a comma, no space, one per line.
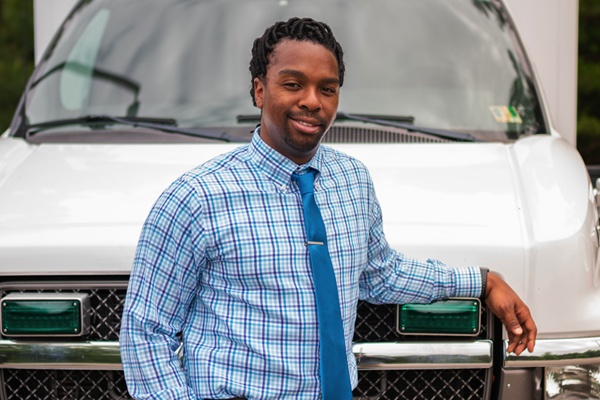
(297,69)
(300,29)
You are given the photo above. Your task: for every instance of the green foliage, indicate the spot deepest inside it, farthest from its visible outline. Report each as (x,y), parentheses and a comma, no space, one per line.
(588,87)
(16,54)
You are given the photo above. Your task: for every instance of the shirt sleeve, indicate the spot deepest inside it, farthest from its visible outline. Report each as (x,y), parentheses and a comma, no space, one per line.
(161,289)
(393,278)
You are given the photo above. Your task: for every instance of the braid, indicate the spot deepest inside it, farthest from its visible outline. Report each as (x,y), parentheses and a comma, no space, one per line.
(302,29)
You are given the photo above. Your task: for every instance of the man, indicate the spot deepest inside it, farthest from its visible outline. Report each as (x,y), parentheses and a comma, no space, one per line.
(224,262)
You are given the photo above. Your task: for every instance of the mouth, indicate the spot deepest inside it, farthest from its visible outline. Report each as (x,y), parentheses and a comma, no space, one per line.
(307,125)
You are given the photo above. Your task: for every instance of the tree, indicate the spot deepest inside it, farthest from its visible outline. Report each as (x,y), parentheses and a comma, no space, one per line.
(588,91)
(16,54)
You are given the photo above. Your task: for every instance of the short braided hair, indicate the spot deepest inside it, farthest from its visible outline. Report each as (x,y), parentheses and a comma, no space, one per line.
(301,29)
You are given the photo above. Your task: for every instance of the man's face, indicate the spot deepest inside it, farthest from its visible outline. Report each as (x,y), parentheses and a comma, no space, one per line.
(298,97)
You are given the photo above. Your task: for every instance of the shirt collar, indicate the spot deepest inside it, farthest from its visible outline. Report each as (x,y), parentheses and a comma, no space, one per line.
(275,165)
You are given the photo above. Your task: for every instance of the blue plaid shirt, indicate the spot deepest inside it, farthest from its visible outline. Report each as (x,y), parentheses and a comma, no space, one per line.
(222,267)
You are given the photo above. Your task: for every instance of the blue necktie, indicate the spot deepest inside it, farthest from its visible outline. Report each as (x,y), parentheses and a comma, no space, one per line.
(333,367)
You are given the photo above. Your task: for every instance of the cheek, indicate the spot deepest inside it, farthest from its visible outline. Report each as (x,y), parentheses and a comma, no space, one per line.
(331,105)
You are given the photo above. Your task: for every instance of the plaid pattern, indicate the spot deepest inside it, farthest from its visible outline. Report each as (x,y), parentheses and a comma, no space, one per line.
(222,266)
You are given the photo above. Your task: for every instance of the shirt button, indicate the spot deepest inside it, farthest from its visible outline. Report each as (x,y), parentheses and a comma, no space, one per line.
(283,188)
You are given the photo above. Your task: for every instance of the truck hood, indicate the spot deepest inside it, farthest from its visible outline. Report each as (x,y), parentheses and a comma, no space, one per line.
(78,209)
(68,208)
(426,191)
(461,203)
(457,202)
(97,196)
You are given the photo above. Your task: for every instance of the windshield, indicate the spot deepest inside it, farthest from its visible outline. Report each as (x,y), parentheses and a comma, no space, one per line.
(448,64)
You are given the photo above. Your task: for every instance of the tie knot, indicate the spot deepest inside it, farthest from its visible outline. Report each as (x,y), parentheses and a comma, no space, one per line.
(306,181)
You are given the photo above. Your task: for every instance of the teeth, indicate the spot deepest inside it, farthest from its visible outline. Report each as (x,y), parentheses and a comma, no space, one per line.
(305,123)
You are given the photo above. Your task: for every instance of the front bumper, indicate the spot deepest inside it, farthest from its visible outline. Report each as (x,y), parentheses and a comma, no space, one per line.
(104,355)
(558,352)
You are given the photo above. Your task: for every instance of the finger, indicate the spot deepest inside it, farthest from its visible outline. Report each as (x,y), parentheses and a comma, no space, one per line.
(517,344)
(511,346)
(516,334)
(523,344)
(531,335)
(513,342)
(513,326)
(531,345)
(530,329)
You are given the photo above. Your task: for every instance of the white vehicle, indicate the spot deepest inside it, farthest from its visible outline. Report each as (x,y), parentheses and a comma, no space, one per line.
(440,102)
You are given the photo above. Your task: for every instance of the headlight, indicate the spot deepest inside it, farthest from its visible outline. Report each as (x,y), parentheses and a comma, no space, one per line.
(45,314)
(575,382)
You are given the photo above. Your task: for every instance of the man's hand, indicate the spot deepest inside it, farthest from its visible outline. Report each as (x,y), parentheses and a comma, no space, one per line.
(514,314)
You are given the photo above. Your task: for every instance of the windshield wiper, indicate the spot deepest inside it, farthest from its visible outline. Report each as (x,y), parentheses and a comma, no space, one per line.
(398,122)
(162,124)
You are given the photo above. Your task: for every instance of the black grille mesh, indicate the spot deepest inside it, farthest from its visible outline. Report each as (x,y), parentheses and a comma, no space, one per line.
(466,384)
(381,385)
(377,323)
(374,324)
(353,134)
(22,384)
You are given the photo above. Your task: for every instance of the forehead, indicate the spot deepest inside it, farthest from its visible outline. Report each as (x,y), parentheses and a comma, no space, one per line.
(302,54)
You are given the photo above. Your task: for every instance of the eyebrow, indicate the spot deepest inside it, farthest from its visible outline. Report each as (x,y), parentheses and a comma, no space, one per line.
(299,74)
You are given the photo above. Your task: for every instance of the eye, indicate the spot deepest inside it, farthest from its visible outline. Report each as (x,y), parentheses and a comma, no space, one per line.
(291,85)
(329,90)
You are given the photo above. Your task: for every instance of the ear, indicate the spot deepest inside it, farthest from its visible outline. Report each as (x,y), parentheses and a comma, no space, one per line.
(259,91)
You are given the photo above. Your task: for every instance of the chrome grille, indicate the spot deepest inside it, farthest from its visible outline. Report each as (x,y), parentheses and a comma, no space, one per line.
(375,323)
(465,384)
(353,134)
(23,384)
(107,307)
(381,385)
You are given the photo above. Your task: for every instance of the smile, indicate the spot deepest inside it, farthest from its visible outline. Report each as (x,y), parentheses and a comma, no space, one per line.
(306,127)
(306,123)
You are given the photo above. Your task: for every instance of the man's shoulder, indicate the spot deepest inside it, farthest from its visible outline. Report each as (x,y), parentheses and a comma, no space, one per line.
(212,174)
(338,160)
(224,164)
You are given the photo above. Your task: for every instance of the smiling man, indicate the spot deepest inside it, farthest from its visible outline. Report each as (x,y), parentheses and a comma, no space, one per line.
(254,261)
(298,96)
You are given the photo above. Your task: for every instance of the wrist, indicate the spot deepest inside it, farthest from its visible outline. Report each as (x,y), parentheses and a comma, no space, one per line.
(484,279)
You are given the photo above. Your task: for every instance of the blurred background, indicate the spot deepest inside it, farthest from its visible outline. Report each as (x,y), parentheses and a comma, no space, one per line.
(17,57)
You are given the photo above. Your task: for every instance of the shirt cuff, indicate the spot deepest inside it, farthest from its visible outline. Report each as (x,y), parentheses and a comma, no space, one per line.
(469,282)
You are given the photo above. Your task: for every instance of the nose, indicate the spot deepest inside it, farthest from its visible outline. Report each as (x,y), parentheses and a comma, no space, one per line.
(310,99)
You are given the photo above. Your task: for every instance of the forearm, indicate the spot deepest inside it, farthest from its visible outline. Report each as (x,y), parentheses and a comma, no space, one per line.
(398,279)
(153,370)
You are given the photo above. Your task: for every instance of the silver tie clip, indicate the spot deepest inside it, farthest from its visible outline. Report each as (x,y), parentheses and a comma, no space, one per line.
(317,243)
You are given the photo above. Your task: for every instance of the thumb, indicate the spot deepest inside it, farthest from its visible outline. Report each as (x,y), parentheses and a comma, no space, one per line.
(513,325)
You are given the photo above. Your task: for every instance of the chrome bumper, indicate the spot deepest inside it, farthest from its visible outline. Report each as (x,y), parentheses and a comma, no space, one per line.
(369,356)
(60,355)
(423,355)
(557,352)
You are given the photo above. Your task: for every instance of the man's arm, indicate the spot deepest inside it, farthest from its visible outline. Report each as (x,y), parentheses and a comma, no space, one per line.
(414,281)
(514,314)
(161,288)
